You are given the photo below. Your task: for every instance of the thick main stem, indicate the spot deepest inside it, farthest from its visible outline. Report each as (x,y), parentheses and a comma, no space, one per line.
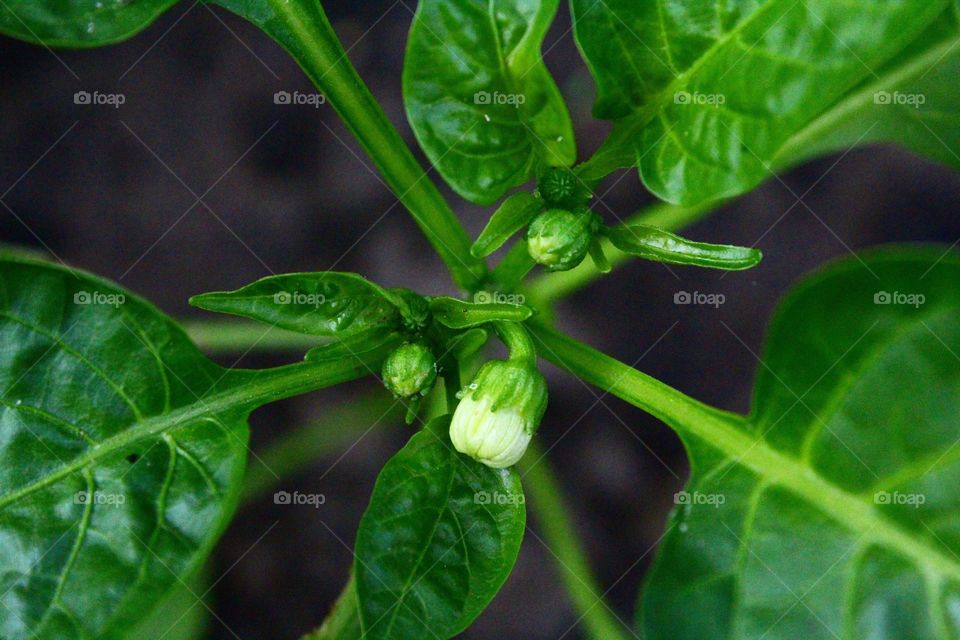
(302,28)
(563,542)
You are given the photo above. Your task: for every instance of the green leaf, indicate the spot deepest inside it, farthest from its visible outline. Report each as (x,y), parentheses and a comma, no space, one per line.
(457,314)
(368,342)
(183,615)
(439,538)
(656,244)
(831,512)
(514,214)
(320,304)
(78,23)
(122,453)
(914,101)
(479,98)
(682,75)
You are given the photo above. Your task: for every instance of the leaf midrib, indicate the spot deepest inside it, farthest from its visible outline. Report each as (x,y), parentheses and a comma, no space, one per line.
(860,98)
(726,433)
(244,394)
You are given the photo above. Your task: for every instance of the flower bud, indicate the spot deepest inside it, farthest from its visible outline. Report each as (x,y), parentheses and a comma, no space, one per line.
(499,413)
(559,239)
(414,309)
(410,371)
(560,187)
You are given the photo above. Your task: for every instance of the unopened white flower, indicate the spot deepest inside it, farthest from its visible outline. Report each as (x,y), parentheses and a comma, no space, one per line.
(499,413)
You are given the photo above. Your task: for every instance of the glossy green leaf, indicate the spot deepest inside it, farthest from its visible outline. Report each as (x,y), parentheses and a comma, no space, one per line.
(320,304)
(480,99)
(183,615)
(682,75)
(78,23)
(914,101)
(437,541)
(122,451)
(457,314)
(368,342)
(831,512)
(514,214)
(656,244)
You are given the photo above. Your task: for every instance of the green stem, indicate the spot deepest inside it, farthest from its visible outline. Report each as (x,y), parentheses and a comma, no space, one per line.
(232,336)
(238,392)
(560,537)
(645,392)
(302,28)
(517,340)
(729,435)
(452,386)
(551,287)
(299,449)
(343,621)
(514,267)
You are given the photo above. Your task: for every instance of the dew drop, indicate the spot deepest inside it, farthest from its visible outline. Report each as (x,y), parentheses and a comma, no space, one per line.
(91,27)
(559,138)
(18,402)
(486,117)
(683,527)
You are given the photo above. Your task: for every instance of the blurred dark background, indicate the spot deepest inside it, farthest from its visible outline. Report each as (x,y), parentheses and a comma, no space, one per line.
(284,188)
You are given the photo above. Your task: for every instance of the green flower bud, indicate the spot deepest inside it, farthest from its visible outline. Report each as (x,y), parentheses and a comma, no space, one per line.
(410,371)
(560,187)
(559,240)
(499,412)
(414,309)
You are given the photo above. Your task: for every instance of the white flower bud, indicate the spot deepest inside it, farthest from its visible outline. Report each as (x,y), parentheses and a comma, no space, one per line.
(499,413)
